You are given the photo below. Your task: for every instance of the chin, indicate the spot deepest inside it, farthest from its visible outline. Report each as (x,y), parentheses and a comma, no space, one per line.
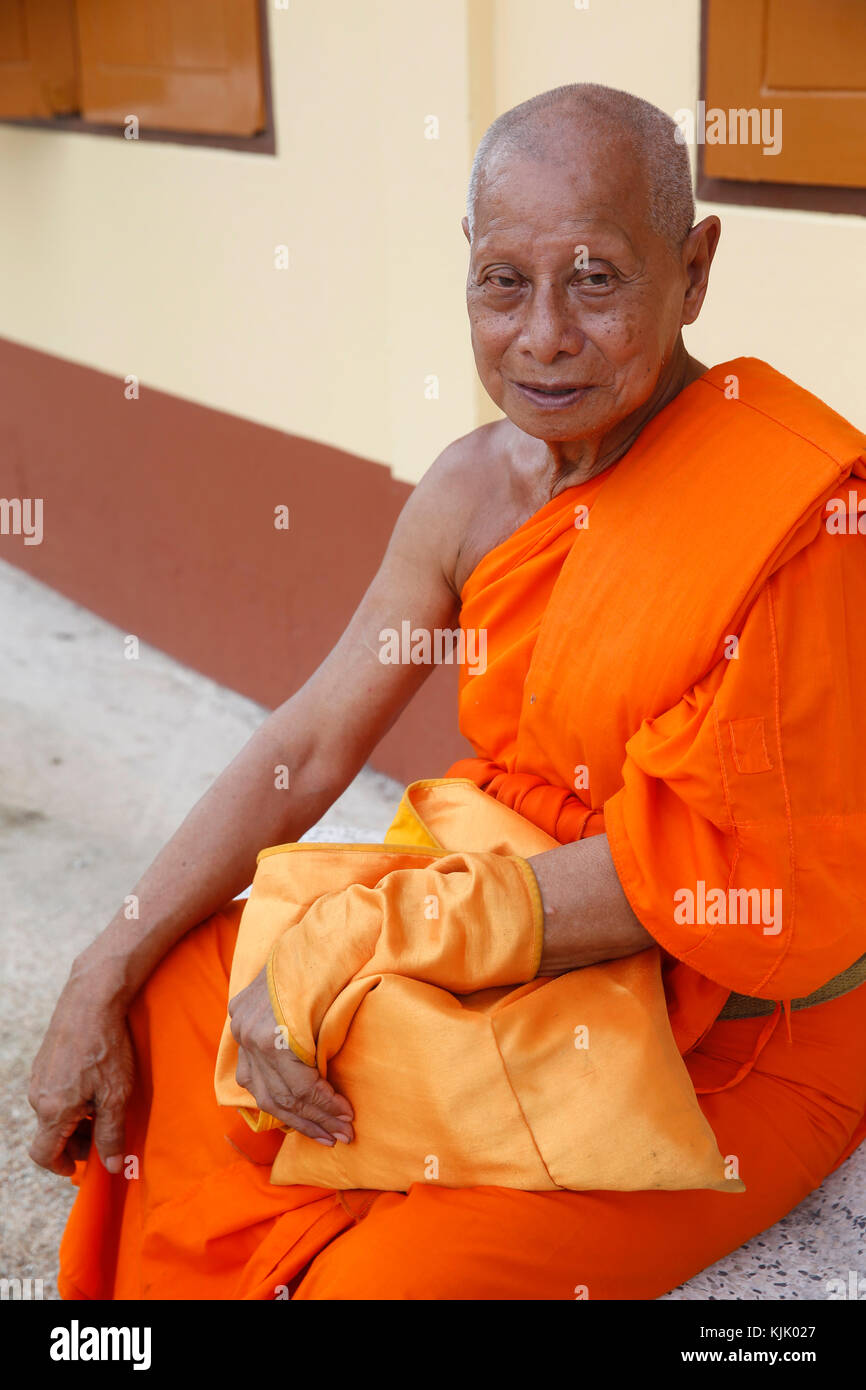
(574,424)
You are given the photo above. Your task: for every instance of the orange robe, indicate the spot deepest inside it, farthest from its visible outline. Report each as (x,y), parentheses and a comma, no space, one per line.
(701,766)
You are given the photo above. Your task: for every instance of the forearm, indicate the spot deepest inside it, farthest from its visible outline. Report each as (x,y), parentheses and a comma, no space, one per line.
(212,856)
(587,917)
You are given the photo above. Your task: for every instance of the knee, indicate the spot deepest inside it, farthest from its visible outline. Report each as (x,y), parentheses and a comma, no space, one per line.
(362,1269)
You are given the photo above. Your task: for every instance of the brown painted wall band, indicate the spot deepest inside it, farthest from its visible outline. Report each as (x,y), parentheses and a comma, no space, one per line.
(159,516)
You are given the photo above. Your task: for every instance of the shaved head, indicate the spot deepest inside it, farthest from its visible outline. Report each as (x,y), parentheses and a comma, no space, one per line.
(584,267)
(541,129)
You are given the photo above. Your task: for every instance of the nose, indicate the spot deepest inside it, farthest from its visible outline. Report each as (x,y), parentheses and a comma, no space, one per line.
(550,324)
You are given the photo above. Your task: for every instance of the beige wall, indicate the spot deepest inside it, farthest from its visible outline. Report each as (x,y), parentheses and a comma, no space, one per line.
(157,259)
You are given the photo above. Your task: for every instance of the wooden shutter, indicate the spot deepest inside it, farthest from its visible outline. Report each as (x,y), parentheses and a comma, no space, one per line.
(806,57)
(181,65)
(38,68)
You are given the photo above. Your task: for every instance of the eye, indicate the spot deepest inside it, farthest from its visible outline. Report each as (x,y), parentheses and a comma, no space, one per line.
(503,280)
(596,280)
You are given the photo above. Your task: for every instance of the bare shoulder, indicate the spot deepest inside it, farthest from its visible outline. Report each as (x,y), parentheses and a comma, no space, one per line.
(472,496)
(469,499)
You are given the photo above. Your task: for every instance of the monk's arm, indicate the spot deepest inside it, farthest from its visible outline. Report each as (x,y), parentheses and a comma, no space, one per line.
(212,856)
(296,765)
(587,917)
(321,737)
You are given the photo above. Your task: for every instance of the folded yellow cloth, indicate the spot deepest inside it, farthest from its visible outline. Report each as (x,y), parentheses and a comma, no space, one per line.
(464,922)
(406,973)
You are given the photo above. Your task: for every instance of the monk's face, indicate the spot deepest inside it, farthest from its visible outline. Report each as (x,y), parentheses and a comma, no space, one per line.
(566,350)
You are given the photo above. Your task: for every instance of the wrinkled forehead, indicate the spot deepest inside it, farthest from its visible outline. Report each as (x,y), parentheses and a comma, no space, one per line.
(592,179)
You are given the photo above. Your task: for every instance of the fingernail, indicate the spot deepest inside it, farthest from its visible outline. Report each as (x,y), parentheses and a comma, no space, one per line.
(342,1138)
(329,1142)
(115,1163)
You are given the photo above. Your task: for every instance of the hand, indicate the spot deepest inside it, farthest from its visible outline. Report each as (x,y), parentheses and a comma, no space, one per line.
(82,1079)
(280,1083)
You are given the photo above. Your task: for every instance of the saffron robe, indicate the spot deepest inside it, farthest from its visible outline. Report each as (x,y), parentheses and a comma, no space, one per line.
(734,770)
(407,975)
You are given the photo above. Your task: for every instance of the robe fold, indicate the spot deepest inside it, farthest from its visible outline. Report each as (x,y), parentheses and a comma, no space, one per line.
(675,656)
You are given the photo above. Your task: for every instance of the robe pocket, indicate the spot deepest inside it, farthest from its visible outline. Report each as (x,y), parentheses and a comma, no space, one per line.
(749,745)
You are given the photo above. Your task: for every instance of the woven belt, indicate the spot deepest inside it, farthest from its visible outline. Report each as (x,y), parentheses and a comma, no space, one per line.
(744,1006)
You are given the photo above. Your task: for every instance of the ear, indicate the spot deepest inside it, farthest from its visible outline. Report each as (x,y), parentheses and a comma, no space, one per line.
(698,251)
(465,225)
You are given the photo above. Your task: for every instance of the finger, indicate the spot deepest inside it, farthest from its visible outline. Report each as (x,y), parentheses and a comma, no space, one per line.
(338,1105)
(302,1123)
(253,1077)
(338,1127)
(321,1102)
(108,1134)
(339,1124)
(304,1112)
(330,1104)
(307,1128)
(298,1122)
(48,1149)
(243,1071)
(299,1090)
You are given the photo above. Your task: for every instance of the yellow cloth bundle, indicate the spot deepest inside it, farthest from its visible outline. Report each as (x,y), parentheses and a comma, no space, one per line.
(406,973)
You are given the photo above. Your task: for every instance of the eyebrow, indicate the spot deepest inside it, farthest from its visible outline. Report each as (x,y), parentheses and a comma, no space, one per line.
(594,230)
(618,252)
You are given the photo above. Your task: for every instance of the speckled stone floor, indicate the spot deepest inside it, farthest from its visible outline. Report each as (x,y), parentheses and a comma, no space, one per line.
(102,759)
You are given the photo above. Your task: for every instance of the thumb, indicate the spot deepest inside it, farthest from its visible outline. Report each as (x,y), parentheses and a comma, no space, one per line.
(108,1137)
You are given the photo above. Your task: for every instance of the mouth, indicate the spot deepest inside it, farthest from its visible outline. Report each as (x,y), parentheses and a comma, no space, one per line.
(554,396)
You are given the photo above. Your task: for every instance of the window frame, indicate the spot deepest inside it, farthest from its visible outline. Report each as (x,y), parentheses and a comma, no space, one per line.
(802,197)
(262,143)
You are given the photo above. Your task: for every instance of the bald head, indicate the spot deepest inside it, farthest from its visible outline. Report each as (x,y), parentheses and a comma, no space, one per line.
(545,127)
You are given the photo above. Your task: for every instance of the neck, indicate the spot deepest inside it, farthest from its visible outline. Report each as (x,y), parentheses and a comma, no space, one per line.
(574,461)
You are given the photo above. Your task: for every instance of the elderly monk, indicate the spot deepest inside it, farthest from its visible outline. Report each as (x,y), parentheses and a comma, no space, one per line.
(675,691)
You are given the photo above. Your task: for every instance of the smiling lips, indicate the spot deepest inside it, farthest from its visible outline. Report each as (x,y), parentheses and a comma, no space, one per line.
(554,396)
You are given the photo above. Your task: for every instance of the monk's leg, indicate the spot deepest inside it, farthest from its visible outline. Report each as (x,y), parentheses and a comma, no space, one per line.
(789,1122)
(194,1215)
